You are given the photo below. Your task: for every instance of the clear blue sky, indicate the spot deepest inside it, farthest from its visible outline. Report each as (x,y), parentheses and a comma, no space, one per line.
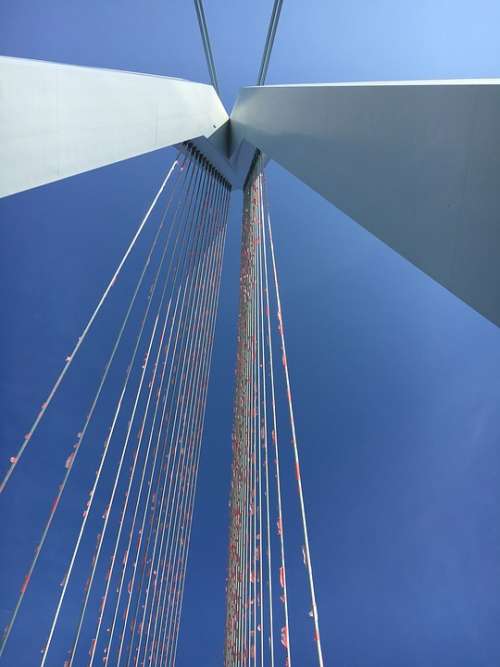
(396,382)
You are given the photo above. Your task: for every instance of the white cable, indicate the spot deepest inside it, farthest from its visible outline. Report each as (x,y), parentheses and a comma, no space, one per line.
(70,358)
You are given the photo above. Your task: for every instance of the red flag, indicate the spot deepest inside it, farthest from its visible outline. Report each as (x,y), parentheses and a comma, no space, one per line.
(25,583)
(69,461)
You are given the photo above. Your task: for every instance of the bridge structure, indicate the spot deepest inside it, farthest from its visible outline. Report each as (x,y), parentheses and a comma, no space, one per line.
(413,162)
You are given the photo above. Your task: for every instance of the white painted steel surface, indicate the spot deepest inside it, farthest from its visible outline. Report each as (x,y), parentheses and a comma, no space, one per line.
(60,120)
(415,163)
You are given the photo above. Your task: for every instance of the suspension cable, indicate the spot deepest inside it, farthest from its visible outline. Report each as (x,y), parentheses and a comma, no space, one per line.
(190,190)
(202,411)
(14,460)
(193,204)
(71,460)
(202,22)
(314,610)
(136,456)
(250,604)
(177,571)
(98,475)
(184,405)
(268,46)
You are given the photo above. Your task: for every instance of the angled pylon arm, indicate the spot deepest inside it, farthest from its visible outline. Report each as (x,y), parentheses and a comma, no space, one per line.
(415,163)
(60,120)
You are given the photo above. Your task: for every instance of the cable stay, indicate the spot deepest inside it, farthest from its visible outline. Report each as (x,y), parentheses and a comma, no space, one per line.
(127,487)
(258,608)
(130,543)
(268,46)
(14,460)
(202,22)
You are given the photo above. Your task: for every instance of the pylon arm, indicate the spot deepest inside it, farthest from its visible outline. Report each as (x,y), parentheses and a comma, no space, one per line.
(60,120)
(415,163)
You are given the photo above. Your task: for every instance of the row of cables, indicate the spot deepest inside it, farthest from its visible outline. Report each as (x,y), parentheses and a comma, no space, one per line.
(126,540)
(258,628)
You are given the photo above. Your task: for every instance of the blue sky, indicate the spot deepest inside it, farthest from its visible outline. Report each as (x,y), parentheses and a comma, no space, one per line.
(396,382)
